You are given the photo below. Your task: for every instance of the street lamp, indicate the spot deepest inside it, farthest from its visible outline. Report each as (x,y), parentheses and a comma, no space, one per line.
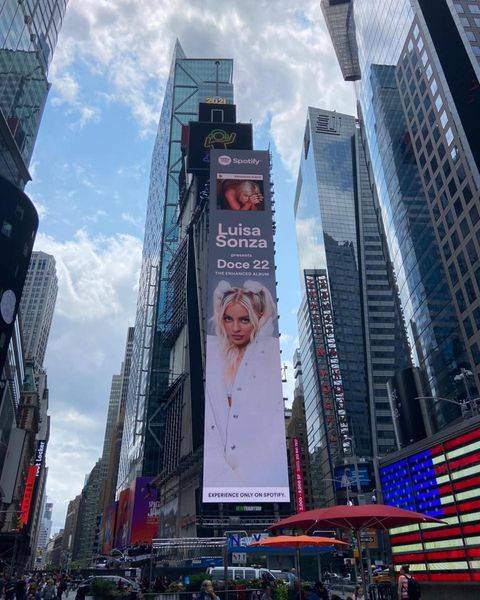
(465,404)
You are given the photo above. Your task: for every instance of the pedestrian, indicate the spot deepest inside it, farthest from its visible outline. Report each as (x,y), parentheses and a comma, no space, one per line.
(321,590)
(21,589)
(207,592)
(408,586)
(9,588)
(49,592)
(62,586)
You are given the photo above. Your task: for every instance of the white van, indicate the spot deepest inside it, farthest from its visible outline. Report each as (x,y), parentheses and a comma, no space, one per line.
(237,573)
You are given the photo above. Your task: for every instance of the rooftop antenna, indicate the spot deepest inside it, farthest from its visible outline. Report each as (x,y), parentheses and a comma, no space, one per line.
(217,65)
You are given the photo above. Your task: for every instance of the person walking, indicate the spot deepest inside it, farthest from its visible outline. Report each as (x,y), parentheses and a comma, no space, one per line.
(207,592)
(408,586)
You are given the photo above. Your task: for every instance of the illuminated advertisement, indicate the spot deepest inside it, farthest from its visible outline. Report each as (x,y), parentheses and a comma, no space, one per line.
(124,513)
(28,495)
(108,528)
(146,512)
(298,485)
(346,477)
(245,454)
(327,363)
(204,137)
(442,481)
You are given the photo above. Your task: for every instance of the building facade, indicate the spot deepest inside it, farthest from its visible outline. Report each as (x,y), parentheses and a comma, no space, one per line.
(37,305)
(113,452)
(417,84)
(86,531)
(190,80)
(28,35)
(351,334)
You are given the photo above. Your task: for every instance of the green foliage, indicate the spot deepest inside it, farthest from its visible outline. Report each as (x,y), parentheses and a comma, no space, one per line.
(281,590)
(102,588)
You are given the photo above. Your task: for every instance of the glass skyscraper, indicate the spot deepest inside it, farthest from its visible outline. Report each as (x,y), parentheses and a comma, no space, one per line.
(344,271)
(28,35)
(417,83)
(190,82)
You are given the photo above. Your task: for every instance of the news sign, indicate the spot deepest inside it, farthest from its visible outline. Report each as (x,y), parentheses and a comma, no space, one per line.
(245,454)
(205,137)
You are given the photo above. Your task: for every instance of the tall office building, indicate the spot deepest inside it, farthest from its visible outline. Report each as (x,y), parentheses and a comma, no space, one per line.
(112,416)
(88,513)
(28,35)
(417,83)
(37,305)
(111,453)
(351,334)
(43,535)
(190,81)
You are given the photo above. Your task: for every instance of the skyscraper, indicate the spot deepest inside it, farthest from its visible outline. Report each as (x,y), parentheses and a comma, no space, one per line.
(351,335)
(28,35)
(417,84)
(113,451)
(190,80)
(37,305)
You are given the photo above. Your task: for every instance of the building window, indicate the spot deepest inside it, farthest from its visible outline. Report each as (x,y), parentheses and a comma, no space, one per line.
(476,316)
(470,36)
(467,193)
(464,228)
(459,8)
(474,8)
(453,274)
(472,252)
(443,118)
(474,215)
(475,353)
(461,301)
(462,263)
(468,327)
(449,136)
(470,290)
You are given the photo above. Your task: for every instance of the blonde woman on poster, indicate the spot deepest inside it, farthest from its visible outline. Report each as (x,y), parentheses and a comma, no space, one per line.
(244,413)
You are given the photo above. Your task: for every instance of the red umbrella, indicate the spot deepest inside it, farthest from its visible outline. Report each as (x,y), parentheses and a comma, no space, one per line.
(365,516)
(298,541)
(373,516)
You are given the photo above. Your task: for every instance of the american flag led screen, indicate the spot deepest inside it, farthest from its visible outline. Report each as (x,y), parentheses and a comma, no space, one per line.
(444,482)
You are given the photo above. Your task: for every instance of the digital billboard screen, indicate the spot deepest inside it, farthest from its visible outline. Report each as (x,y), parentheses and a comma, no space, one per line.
(146,512)
(245,453)
(108,527)
(124,513)
(442,481)
(204,137)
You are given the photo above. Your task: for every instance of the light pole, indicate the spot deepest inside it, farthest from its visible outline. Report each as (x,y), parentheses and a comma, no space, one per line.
(465,405)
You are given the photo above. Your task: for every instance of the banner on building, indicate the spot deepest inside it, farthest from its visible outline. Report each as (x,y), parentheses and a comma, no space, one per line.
(124,514)
(146,512)
(28,495)
(245,448)
(298,484)
(108,527)
(204,137)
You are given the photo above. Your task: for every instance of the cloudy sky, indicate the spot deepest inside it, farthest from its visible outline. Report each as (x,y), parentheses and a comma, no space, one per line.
(91,167)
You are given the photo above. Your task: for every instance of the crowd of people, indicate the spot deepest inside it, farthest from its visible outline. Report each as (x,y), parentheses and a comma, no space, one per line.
(34,587)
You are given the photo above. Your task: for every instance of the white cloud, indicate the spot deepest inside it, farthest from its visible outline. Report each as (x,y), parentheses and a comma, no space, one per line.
(283,57)
(98,279)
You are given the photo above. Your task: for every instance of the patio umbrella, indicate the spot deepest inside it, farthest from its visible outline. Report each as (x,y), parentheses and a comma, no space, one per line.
(371,516)
(297,542)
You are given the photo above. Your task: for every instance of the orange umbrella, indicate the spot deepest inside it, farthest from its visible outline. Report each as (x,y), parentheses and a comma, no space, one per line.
(297,542)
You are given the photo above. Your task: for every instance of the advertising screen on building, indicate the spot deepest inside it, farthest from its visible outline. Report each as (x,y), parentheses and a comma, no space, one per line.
(124,513)
(204,137)
(146,512)
(245,455)
(108,527)
(299,488)
(28,495)
(442,481)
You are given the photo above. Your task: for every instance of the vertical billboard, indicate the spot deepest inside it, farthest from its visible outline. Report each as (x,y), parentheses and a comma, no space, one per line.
(108,527)
(122,531)
(299,488)
(146,512)
(245,453)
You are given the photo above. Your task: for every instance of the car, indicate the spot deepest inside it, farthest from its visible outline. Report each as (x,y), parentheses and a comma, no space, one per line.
(84,587)
(286,576)
(237,573)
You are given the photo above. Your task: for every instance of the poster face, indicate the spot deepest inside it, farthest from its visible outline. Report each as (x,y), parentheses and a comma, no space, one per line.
(146,512)
(245,456)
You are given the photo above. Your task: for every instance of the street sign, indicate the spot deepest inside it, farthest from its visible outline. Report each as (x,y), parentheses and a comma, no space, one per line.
(239,558)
